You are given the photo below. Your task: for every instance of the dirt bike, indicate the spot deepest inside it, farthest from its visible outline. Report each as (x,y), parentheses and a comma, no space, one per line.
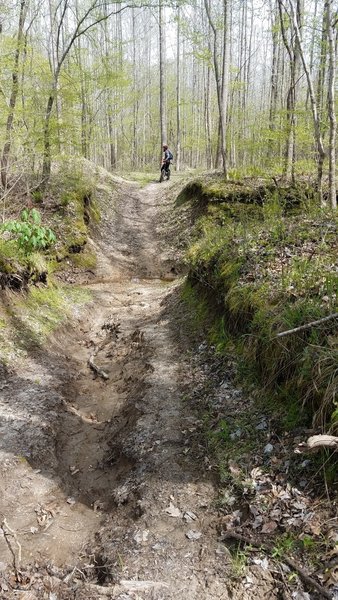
(165,173)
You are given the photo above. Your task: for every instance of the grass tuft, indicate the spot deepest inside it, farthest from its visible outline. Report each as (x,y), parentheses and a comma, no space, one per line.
(262,261)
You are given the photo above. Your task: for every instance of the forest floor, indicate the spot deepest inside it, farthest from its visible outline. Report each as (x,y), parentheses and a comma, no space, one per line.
(106,489)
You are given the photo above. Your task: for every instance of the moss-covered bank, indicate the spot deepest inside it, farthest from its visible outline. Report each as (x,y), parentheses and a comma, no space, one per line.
(69,208)
(263,261)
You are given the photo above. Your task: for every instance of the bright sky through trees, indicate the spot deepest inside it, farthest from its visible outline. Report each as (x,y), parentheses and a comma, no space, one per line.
(97,65)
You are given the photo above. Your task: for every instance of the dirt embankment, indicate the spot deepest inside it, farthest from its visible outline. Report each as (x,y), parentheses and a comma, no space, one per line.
(107,490)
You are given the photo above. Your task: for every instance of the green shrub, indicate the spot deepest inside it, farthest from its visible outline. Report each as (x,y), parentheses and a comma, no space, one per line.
(30,235)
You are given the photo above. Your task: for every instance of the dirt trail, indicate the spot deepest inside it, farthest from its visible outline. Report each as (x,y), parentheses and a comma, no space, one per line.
(105,462)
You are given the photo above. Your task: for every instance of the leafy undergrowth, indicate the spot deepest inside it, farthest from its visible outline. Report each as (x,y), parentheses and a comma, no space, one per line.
(66,210)
(274,500)
(43,247)
(264,261)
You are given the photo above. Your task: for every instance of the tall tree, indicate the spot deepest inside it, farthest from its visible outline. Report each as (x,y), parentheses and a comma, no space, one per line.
(220,71)
(314,106)
(14,94)
(331,23)
(63,45)
(162,59)
(178,91)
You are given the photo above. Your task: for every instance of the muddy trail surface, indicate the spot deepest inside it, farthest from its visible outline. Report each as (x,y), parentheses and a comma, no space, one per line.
(101,496)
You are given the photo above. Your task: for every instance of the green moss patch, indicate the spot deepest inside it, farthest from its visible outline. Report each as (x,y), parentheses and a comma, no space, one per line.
(27,320)
(264,264)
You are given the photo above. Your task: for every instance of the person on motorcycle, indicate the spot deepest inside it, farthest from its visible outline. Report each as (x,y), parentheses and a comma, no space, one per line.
(167,158)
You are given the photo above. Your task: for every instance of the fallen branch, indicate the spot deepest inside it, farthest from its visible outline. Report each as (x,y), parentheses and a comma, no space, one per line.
(308,325)
(316,442)
(97,369)
(8,532)
(92,420)
(113,332)
(267,548)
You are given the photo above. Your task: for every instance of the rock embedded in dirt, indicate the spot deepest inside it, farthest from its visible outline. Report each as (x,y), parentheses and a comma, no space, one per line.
(268,449)
(193,535)
(141,537)
(189,516)
(173,511)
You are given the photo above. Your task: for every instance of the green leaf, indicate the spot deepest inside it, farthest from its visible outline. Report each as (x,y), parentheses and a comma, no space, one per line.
(35,216)
(24,215)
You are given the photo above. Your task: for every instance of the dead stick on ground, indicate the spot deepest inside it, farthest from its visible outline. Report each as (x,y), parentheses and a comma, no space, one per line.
(308,325)
(8,532)
(96,369)
(309,581)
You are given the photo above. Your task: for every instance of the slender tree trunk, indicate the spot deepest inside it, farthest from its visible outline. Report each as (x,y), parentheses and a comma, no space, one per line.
(178,94)
(46,165)
(109,104)
(274,78)
(84,117)
(292,48)
(13,97)
(322,64)
(314,106)
(53,64)
(312,48)
(331,105)
(163,107)
(135,99)
(220,77)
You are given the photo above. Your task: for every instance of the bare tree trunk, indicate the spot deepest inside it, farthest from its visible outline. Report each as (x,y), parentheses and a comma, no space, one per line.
(314,106)
(84,116)
(290,99)
(163,107)
(178,94)
(46,165)
(312,48)
(109,102)
(62,50)
(220,76)
(13,97)
(53,64)
(322,64)
(135,100)
(331,105)
(274,76)
(207,95)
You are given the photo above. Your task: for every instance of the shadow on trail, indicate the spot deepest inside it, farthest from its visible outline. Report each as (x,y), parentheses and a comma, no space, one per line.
(36,421)
(101,442)
(128,231)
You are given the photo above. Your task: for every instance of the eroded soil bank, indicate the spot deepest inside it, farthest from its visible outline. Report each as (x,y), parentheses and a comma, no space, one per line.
(106,491)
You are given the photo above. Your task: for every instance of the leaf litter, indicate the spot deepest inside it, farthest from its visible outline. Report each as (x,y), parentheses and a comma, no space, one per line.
(271,496)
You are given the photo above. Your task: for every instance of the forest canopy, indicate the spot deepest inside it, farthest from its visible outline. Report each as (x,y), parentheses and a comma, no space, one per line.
(227,84)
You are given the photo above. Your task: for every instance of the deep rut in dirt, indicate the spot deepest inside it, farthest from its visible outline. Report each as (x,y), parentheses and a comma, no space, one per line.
(105,488)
